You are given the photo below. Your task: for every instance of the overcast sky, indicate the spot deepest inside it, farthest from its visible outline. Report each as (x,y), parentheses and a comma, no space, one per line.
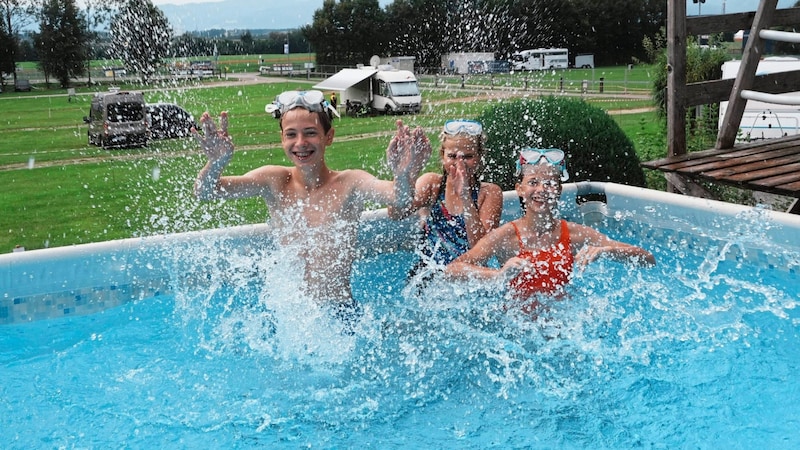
(294,14)
(710,6)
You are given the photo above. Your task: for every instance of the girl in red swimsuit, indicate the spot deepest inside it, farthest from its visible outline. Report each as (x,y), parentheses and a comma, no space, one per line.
(539,250)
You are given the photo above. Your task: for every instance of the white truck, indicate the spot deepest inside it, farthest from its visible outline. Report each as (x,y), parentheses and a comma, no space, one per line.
(376,89)
(762,120)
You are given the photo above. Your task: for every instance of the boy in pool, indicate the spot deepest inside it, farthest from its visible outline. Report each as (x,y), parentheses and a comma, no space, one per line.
(537,251)
(310,204)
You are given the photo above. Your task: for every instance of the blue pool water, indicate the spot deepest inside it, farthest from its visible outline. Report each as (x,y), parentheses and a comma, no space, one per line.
(701,351)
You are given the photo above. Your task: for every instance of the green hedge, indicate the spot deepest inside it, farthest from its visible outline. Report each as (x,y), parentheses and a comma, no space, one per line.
(596,148)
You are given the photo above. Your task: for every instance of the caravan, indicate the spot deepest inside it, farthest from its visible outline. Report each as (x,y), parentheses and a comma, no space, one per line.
(378,89)
(762,120)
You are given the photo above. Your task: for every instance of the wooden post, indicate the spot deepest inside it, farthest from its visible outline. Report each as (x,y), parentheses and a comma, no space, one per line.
(676,80)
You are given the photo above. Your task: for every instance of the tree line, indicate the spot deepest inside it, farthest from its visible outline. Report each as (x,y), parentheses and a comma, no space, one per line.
(350,31)
(343,32)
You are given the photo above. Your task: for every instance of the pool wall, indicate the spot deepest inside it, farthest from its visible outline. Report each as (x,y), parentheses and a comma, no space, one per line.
(88,278)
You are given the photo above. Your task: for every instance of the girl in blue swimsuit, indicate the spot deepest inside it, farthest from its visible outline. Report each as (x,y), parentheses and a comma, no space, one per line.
(456,209)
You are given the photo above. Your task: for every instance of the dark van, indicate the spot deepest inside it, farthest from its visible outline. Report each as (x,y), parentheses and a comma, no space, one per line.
(117,120)
(168,121)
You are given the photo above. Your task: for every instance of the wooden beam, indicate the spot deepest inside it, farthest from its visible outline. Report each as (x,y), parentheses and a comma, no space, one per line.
(747,73)
(721,23)
(688,187)
(794,208)
(715,91)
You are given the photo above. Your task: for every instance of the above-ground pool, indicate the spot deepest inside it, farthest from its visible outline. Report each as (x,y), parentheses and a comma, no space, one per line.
(201,340)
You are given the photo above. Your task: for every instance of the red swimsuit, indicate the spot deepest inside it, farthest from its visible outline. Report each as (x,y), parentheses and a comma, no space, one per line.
(552,266)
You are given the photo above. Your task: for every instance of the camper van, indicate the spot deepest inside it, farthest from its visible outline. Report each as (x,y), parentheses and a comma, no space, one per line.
(117,119)
(381,89)
(540,59)
(765,120)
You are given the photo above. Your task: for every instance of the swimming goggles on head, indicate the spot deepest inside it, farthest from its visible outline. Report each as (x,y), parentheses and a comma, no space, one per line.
(553,156)
(309,100)
(470,127)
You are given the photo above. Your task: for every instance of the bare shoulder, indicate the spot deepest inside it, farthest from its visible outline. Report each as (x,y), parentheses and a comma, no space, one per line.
(270,171)
(429,178)
(353,176)
(503,232)
(491,189)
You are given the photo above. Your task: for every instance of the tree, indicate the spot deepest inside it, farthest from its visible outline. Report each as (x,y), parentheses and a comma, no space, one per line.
(596,147)
(187,45)
(348,32)
(16,14)
(61,41)
(6,50)
(140,37)
(247,41)
(430,29)
(98,12)
(610,29)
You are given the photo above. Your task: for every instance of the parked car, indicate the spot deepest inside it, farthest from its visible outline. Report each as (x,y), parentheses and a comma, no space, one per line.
(117,119)
(498,67)
(476,67)
(168,121)
(22,85)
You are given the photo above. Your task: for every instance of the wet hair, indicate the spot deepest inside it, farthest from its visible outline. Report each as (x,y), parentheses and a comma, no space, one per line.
(322,116)
(520,174)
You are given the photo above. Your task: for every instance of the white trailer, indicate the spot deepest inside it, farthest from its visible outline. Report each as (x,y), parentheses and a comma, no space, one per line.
(762,120)
(584,61)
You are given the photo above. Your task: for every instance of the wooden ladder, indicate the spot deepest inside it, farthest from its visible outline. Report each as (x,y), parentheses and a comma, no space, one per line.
(743,85)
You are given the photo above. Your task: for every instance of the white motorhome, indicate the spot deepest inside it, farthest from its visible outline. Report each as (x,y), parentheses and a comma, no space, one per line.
(762,120)
(381,89)
(540,59)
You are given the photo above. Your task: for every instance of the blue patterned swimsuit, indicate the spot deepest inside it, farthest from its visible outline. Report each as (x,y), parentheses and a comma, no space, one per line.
(445,236)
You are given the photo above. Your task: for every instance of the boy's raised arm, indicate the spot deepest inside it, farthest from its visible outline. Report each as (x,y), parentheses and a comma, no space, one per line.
(218,147)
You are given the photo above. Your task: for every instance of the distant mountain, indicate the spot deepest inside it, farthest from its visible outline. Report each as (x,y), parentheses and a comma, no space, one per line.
(241,15)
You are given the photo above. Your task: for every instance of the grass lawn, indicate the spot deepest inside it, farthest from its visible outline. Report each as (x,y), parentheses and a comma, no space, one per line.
(63,191)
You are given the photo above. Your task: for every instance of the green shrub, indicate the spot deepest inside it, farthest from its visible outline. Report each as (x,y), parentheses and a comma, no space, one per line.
(596,148)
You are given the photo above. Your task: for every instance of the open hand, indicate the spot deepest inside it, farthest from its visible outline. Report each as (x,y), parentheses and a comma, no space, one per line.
(215,142)
(459,177)
(587,254)
(514,266)
(408,151)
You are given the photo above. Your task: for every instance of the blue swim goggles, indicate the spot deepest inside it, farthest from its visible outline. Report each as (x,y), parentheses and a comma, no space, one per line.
(310,100)
(553,156)
(463,126)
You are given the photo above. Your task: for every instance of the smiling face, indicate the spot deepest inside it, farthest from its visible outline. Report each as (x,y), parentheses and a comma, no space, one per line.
(460,148)
(539,187)
(303,137)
